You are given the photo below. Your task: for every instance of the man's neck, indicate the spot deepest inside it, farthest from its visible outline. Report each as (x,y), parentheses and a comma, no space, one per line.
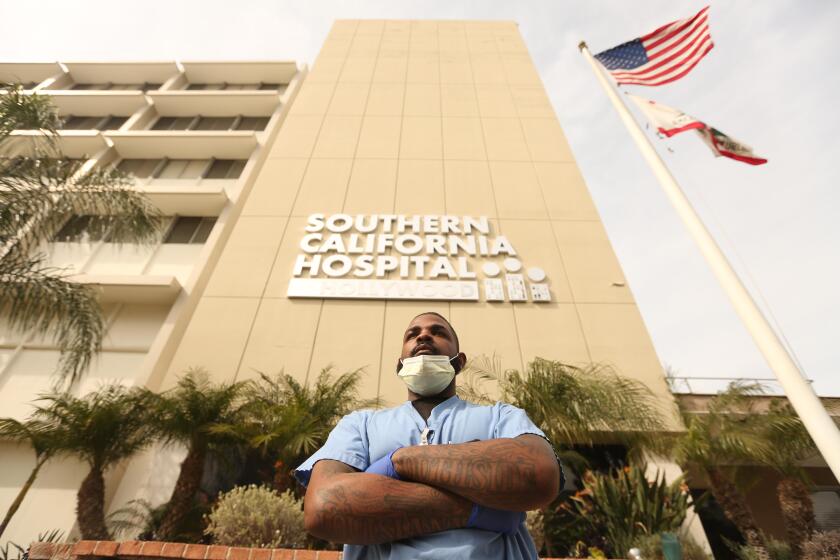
(425,405)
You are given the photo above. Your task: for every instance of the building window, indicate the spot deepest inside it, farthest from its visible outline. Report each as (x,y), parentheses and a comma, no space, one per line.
(190,230)
(210,123)
(140,168)
(226,169)
(173,123)
(146,86)
(226,86)
(109,122)
(83,229)
(183,168)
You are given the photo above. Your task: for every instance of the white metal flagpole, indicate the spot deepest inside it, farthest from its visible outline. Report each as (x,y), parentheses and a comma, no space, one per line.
(804,400)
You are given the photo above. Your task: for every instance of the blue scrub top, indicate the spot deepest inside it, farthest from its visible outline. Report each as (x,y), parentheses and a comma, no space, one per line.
(364,436)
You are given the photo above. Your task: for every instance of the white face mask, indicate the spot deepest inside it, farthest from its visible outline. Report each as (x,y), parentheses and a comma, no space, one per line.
(426,374)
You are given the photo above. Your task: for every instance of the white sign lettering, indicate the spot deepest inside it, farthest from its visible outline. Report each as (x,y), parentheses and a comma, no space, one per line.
(387,256)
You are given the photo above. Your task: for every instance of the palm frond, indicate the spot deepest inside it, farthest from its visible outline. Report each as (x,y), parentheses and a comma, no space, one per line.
(34,296)
(102,428)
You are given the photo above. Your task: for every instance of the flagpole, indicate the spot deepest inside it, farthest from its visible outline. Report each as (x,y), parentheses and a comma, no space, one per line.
(804,400)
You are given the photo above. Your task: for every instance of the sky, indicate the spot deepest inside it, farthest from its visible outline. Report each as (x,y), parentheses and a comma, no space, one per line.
(770,82)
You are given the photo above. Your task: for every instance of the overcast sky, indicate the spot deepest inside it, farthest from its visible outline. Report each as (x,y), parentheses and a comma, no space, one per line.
(770,82)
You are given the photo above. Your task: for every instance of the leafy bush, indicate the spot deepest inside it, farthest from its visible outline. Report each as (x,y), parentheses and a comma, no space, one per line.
(776,550)
(624,506)
(651,547)
(256,516)
(822,545)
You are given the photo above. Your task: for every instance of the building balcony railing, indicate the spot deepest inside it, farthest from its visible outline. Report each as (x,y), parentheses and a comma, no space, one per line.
(189,144)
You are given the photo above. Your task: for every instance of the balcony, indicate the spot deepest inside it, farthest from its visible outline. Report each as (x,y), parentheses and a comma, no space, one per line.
(239,72)
(29,73)
(74,144)
(213,103)
(118,74)
(152,144)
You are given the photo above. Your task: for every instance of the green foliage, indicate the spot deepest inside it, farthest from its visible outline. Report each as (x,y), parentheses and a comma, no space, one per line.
(101,428)
(256,516)
(288,421)
(624,505)
(573,405)
(651,548)
(39,188)
(822,545)
(199,412)
(777,550)
(731,430)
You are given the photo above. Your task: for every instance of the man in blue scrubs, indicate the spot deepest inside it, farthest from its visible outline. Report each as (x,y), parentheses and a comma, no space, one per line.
(436,477)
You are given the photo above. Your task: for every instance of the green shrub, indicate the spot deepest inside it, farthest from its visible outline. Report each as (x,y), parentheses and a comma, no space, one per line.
(651,548)
(256,516)
(822,545)
(624,506)
(776,550)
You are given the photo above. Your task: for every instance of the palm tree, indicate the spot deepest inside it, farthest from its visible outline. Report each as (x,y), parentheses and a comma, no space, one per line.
(101,428)
(791,444)
(39,188)
(574,405)
(32,433)
(288,421)
(729,432)
(202,416)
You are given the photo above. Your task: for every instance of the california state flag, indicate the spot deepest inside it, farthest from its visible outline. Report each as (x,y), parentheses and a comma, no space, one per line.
(670,121)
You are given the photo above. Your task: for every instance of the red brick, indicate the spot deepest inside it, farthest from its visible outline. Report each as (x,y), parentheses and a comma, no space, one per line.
(130,548)
(329,555)
(63,551)
(239,553)
(195,551)
(41,550)
(216,552)
(106,548)
(306,555)
(282,554)
(151,549)
(172,550)
(84,548)
(261,554)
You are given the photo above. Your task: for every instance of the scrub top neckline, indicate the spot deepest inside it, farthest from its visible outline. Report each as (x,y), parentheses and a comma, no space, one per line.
(437,412)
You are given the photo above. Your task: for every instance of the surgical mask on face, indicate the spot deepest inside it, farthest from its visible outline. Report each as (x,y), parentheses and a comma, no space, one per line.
(426,374)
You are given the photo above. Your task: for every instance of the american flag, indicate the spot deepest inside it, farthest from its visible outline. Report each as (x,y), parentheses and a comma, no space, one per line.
(660,57)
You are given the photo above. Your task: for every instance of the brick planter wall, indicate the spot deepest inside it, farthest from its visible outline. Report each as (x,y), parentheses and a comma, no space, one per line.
(153,550)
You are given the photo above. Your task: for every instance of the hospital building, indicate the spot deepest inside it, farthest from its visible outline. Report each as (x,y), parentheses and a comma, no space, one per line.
(311,213)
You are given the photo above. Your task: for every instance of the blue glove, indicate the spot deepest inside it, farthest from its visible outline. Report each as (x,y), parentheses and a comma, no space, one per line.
(497,520)
(384,466)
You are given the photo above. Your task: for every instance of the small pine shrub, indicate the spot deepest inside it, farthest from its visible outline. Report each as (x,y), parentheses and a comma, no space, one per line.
(821,546)
(651,548)
(256,516)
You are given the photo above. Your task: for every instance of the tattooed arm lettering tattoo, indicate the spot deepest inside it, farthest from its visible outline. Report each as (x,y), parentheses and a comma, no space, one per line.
(516,474)
(346,506)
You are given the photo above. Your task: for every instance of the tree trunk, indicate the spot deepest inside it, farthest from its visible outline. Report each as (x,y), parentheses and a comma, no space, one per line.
(733,504)
(188,483)
(797,512)
(90,507)
(39,462)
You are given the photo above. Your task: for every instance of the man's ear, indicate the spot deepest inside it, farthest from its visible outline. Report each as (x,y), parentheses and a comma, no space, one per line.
(461,361)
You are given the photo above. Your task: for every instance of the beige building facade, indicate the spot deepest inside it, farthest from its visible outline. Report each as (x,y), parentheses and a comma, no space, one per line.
(417,120)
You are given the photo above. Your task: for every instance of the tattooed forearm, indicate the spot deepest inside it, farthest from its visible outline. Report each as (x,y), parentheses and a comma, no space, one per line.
(512,473)
(359,508)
